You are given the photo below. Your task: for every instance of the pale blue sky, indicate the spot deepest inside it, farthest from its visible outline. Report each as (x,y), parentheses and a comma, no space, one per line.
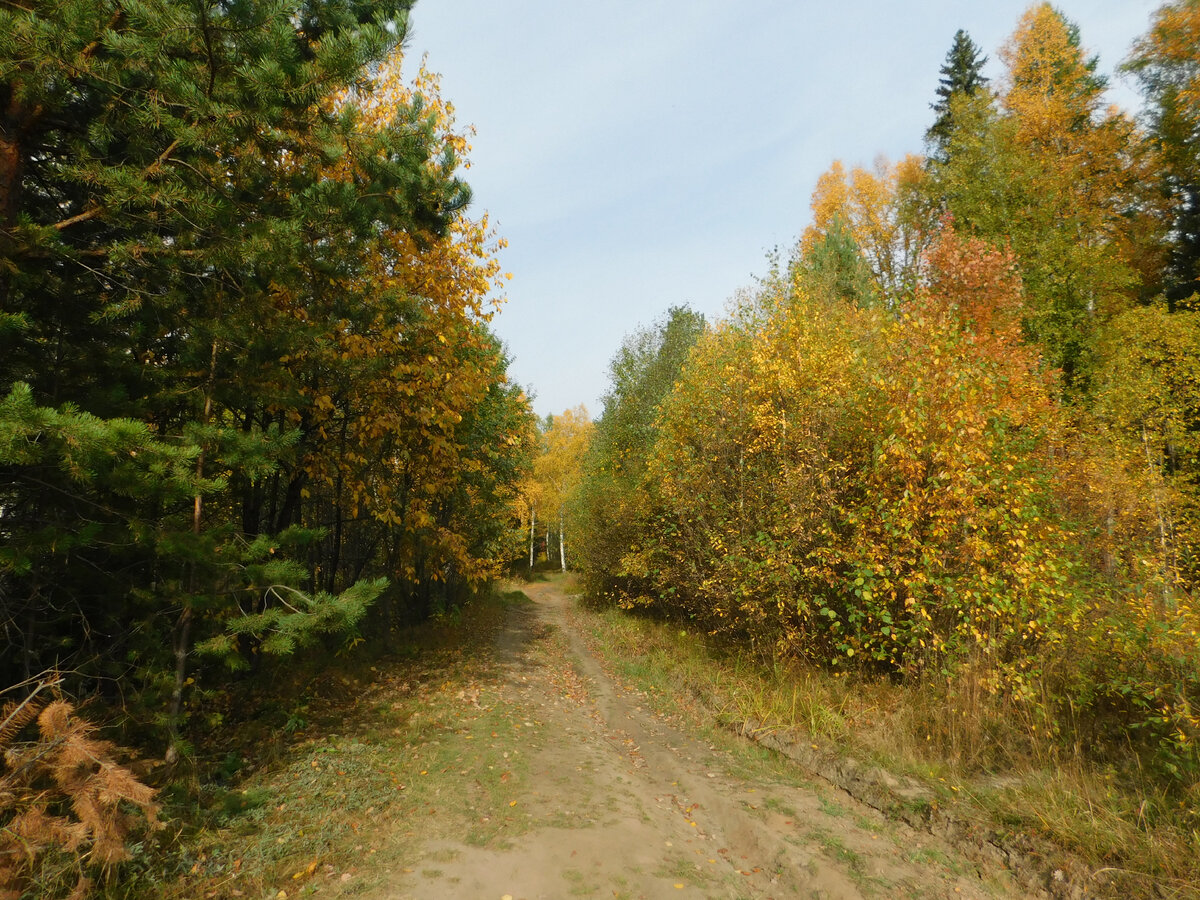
(639,154)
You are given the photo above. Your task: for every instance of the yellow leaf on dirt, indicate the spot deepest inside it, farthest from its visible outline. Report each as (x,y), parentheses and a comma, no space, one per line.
(512,803)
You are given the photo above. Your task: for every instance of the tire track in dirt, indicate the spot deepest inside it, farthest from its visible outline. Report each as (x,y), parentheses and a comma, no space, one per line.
(619,802)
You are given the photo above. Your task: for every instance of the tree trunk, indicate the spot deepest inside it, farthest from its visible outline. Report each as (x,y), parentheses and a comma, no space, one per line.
(183,633)
(11,160)
(1164,526)
(532,525)
(562,541)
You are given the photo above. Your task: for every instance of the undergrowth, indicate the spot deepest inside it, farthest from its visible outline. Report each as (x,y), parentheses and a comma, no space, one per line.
(68,807)
(354,771)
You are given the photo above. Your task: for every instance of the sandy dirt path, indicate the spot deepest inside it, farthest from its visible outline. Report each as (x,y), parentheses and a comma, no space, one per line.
(618,801)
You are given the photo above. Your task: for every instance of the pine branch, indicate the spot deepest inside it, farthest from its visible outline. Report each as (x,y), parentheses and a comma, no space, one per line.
(90,50)
(94,211)
(68,763)
(16,717)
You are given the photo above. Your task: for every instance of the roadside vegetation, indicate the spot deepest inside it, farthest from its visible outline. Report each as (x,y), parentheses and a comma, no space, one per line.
(251,408)
(965,769)
(929,493)
(384,753)
(932,482)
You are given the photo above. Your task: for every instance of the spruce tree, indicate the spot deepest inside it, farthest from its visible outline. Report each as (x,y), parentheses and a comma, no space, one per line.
(961,74)
(1167,67)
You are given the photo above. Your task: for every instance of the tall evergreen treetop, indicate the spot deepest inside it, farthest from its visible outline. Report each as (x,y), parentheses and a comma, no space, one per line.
(961,74)
(1167,66)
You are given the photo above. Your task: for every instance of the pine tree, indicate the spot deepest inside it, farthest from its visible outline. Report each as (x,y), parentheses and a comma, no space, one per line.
(961,75)
(218,222)
(835,267)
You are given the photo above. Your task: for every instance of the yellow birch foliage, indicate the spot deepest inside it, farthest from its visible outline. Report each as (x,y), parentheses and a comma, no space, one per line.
(1100,157)
(703,496)
(1049,86)
(881,208)
(1169,49)
(845,482)
(1068,184)
(1092,166)
(410,359)
(559,467)
(830,199)
(1148,394)
(953,550)
(1166,61)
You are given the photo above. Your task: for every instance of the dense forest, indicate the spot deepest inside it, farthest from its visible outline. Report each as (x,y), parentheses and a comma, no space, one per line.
(253,414)
(951,440)
(251,406)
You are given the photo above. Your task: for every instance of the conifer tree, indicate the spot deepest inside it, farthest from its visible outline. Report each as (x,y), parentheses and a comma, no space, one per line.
(961,75)
(215,239)
(835,265)
(1059,178)
(1167,65)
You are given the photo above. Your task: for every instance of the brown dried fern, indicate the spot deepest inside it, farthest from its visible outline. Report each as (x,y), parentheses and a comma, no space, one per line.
(15,716)
(65,791)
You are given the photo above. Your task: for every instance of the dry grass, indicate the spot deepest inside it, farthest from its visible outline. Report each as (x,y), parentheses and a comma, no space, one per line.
(995,763)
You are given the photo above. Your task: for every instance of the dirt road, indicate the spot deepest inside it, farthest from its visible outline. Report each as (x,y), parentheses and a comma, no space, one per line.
(617,801)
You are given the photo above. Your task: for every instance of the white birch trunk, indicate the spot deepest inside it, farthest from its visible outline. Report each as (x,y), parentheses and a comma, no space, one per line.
(532,523)
(1164,525)
(562,541)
